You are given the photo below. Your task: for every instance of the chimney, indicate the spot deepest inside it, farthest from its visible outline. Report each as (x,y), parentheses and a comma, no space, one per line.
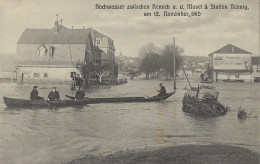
(56,24)
(71,27)
(91,31)
(60,21)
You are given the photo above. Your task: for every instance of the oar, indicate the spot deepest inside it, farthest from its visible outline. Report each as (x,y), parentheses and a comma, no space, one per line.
(48,104)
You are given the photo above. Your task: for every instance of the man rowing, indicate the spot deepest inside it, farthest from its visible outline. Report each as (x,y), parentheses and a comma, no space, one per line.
(162,91)
(34,94)
(79,94)
(54,95)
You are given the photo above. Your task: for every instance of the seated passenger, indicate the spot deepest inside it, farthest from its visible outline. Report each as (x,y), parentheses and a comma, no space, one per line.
(34,94)
(79,94)
(54,95)
(162,91)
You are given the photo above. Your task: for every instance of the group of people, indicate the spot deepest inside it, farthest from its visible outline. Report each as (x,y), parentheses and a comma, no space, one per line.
(54,95)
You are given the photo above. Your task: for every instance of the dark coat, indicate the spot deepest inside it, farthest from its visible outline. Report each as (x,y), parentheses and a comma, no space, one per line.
(162,91)
(79,95)
(34,95)
(78,81)
(54,96)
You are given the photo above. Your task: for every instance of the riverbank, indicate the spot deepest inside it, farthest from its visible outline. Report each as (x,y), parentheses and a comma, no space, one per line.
(196,154)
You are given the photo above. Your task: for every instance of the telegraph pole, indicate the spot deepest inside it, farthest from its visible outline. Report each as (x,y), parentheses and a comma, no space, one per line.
(174,60)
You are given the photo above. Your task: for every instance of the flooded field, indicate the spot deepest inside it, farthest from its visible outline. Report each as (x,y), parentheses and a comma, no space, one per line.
(55,136)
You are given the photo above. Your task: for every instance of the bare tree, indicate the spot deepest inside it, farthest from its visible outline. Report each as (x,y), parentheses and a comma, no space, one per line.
(151,63)
(167,58)
(148,49)
(100,70)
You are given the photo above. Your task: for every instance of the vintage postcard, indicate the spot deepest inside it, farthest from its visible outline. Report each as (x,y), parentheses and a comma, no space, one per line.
(129,81)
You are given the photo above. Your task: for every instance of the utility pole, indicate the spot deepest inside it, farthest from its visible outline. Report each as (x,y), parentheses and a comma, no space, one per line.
(174,60)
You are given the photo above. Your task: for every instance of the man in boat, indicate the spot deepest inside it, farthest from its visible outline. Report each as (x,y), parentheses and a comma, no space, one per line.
(34,94)
(79,94)
(162,91)
(78,80)
(54,95)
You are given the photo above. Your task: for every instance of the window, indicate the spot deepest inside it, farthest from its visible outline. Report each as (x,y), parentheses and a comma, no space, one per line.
(45,75)
(237,75)
(36,75)
(98,41)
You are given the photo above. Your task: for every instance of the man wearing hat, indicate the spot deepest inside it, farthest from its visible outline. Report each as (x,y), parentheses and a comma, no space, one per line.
(162,91)
(34,94)
(79,94)
(54,95)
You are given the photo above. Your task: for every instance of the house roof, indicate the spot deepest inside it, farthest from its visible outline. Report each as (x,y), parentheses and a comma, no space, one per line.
(230,49)
(64,36)
(96,34)
(256,60)
(48,66)
(48,36)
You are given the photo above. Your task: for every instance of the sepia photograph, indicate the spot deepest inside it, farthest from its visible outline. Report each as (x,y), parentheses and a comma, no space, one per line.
(130,81)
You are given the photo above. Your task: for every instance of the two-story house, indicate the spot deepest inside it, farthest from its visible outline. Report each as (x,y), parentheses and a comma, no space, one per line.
(47,55)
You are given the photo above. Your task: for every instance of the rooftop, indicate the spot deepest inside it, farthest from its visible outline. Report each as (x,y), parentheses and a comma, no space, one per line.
(230,49)
(58,35)
(48,36)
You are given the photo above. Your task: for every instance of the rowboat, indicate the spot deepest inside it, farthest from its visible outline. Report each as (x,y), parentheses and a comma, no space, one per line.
(124,99)
(21,103)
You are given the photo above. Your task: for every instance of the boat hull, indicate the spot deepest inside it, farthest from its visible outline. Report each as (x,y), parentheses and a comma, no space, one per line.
(21,103)
(125,99)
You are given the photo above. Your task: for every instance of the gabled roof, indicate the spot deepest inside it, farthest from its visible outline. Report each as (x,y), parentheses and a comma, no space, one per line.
(95,34)
(48,36)
(256,60)
(230,49)
(64,36)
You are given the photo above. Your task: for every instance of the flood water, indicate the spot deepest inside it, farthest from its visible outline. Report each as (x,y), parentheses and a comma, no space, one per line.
(61,135)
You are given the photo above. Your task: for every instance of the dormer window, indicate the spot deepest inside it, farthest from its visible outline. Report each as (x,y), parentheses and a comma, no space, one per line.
(42,50)
(98,41)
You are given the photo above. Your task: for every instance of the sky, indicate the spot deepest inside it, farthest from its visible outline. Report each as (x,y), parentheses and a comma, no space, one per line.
(130,29)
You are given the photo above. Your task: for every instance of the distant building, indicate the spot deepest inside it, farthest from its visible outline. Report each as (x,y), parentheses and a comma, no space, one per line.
(256,68)
(42,53)
(230,63)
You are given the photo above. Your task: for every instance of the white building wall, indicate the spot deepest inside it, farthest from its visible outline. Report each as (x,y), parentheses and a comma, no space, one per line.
(246,76)
(44,74)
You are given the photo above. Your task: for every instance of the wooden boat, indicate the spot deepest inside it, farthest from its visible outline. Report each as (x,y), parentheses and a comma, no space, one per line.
(21,103)
(124,99)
